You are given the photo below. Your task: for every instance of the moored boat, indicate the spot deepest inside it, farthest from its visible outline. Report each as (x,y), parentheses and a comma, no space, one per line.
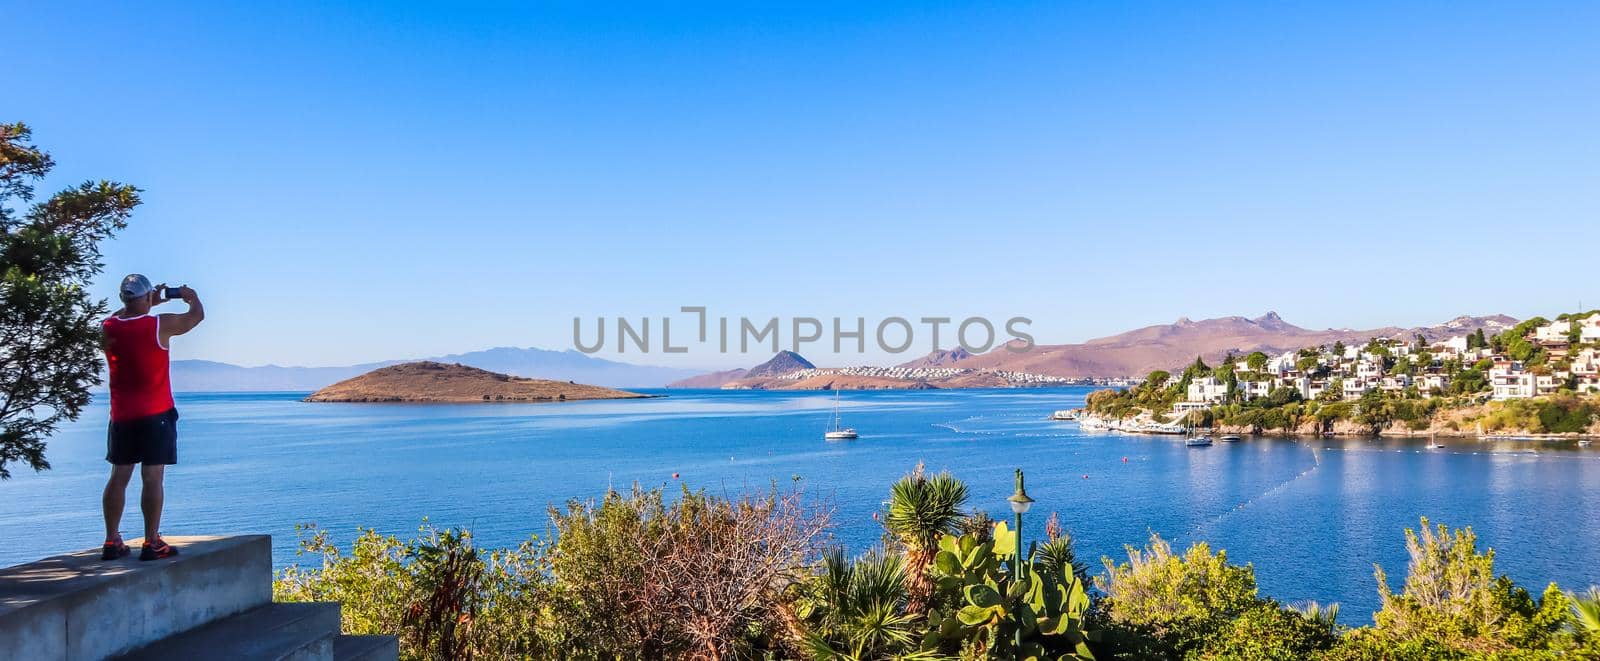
(839,432)
(1231,438)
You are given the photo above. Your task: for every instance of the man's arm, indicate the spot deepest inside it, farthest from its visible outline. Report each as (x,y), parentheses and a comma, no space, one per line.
(178,324)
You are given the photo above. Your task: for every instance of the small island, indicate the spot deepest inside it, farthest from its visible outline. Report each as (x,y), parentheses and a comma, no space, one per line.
(428,381)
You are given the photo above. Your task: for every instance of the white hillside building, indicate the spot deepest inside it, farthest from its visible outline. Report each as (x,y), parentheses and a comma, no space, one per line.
(1207,389)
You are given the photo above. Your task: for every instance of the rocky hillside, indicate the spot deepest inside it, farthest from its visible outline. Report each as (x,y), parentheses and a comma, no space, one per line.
(781,363)
(710,379)
(1139,351)
(429,381)
(940,358)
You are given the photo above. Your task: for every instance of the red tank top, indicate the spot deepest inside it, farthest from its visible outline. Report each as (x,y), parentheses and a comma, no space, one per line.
(139,383)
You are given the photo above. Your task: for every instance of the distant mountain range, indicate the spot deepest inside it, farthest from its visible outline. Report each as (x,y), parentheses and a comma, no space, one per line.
(781,363)
(569,365)
(1134,353)
(1138,352)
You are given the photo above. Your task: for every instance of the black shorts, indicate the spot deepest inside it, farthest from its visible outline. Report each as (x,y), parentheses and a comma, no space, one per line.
(148,440)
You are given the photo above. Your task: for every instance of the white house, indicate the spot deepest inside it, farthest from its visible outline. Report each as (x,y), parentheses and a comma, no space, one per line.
(1586,363)
(1354,388)
(1454,346)
(1395,382)
(1590,328)
(1553,332)
(1509,381)
(1207,389)
(1255,389)
(1428,382)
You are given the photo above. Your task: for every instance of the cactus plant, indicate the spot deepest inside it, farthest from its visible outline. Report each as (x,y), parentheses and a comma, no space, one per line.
(988,604)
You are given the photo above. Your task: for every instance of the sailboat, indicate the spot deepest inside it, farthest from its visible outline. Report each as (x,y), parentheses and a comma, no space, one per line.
(1197,441)
(838,433)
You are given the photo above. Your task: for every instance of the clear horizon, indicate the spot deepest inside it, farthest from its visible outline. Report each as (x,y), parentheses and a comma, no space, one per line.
(373,181)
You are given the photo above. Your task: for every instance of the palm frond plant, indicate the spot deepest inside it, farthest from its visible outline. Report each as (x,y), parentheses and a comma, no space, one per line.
(1057,554)
(857,609)
(923,509)
(1586,611)
(1324,615)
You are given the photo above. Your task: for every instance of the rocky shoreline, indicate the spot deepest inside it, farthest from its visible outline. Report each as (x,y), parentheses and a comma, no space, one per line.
(1344,428)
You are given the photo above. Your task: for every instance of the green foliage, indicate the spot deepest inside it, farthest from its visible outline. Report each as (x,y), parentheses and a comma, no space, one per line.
(1307,364)
(857,610)
(1564,413)
(1586,612)
(637,577)
(445,598)
(1157,394)
(49,323)
(1158,379)
(1266,632)
(1515,344)
(1256,361)
(1325,616)
(1373,410)
(641,579)
(629,578)
(990,604)
(1177,600)
(921,510)
(1452,599)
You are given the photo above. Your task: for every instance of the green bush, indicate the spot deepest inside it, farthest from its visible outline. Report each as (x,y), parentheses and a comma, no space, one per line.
(1178,600)
(444,598)
(1452,600)
(703,577)
(1267,632)
(636,577)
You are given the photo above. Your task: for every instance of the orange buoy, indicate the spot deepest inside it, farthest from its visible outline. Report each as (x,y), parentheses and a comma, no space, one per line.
(1124,460)
(674,476)
(1085,476)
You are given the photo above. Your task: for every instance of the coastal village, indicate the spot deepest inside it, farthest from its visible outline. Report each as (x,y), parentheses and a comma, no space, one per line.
(1354,370)
(1536,359)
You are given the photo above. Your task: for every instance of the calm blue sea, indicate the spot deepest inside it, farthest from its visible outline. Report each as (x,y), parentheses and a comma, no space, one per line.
(1312,516)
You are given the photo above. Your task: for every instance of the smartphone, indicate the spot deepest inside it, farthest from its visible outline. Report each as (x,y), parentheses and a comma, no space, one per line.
(171,293)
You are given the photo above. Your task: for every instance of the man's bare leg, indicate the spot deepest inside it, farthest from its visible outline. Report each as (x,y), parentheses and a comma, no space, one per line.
(151,498)
(115,498)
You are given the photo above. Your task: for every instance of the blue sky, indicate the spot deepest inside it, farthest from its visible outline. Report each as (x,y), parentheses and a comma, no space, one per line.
(368,181)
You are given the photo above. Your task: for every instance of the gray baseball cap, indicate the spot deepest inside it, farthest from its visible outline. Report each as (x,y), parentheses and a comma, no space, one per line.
(134,286)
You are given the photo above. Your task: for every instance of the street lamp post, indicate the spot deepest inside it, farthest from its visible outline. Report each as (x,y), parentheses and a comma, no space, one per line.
(1020,502)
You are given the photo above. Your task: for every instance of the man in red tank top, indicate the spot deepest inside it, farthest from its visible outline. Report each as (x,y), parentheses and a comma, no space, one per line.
(144,422)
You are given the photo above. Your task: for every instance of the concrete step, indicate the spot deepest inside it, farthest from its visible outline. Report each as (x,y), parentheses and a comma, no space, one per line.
(366,648)
(75,606)
(274,632)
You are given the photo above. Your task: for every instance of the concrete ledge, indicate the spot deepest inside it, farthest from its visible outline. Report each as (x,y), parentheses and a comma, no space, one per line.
(76,606)
(366,648)
(272,632)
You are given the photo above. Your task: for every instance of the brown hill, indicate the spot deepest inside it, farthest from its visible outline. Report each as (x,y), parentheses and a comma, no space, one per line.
(1137,352)
(428,381)
(781,363)
(710,379)
(938,358)
(833,382)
